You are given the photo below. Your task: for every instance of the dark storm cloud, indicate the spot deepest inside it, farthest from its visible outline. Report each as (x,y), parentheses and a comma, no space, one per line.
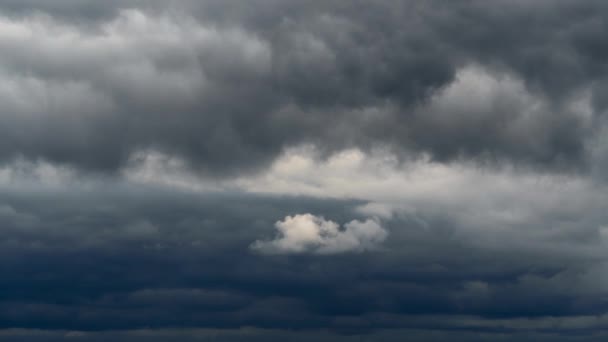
(228,85)
(126,257)
(416,335)
(148,89)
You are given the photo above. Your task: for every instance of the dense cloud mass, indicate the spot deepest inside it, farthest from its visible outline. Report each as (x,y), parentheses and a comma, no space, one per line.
(228,86)
(303,170)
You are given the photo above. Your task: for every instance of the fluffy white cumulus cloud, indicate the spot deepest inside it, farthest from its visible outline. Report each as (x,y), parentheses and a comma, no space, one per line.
(308,233)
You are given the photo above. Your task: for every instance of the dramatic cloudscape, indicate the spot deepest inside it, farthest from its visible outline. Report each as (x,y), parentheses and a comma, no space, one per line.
(278,170)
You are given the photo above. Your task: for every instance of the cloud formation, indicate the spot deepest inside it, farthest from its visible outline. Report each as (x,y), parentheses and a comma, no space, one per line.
(227,91)
(306,233)
(448,160)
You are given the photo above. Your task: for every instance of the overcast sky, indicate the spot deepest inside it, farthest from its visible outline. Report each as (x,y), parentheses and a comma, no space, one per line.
(277,170)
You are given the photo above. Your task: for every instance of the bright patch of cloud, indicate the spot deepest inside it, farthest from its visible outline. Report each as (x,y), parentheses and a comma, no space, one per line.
(313,234)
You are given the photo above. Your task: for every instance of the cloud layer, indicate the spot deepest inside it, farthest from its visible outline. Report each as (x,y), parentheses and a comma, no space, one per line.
(296,170)
(228,91)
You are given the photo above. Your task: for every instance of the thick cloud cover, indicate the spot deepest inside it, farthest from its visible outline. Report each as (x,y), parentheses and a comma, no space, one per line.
(299,170)
(228,86)
(504,253)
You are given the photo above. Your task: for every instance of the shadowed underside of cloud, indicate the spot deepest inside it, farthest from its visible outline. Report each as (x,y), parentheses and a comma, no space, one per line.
(508,256)
(188,335)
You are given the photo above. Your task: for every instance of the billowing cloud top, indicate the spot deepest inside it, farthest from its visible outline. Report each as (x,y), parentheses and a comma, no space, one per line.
(228,87)
(303,233)
(297,170)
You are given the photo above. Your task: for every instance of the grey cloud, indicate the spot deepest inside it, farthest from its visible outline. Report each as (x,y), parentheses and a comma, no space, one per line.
(475,109)
(281,335)
(229,86)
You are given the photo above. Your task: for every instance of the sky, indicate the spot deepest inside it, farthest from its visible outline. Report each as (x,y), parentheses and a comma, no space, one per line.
(271,170)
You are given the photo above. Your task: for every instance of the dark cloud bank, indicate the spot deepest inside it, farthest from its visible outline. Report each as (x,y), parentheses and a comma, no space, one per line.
(226,87)
(114,262)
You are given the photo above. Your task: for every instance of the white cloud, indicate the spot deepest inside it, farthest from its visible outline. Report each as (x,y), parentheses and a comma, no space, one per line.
(307,233)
